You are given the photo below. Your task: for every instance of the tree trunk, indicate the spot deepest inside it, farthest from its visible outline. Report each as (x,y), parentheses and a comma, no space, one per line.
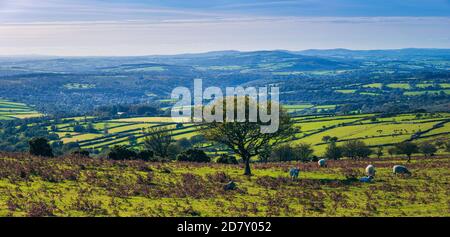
(409,158)
(247,167)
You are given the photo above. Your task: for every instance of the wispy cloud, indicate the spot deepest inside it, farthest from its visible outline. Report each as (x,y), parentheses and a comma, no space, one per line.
(168,10)
(292,33)
(137,27)
(266,4)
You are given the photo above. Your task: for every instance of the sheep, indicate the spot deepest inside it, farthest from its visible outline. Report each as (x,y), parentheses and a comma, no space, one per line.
(230,186)
(370,171)
(367,179)
(400,169)
(322,163)
(293,172)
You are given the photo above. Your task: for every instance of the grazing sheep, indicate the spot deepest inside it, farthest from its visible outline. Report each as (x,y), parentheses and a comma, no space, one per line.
(229,186)
(400,169)
(370,170)
(293,172)
(367,179)
(322,163)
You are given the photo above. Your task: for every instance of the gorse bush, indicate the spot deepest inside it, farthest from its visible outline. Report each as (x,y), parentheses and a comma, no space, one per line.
(193,155)
(428,149)
(40,147)
(145,155)
(227,159)
(83,153)
(124,153)
(121,153)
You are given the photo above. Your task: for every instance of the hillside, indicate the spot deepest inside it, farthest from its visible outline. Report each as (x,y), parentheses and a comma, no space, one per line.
(362,80)
(72,186)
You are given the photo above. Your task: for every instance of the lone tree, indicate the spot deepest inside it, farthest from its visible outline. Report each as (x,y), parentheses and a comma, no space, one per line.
(333,152)
(304,151)
(39,146)
(407,148)
(245,137)
(356,149)
(158,140)
(326,138)
(392,151)
(379,152)
(427,149)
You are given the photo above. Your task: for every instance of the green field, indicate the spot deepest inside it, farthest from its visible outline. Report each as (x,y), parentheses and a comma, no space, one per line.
(346,91)
(374,85)
(12,110)
(371,128)
(404,86)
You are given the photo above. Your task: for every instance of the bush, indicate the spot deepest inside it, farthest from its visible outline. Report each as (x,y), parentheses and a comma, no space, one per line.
(301,152)
(283,153)
(40,147)
(355,149)
(407,148)
(304,152)
(427,149)
(333,152)
(193,155)
(121,153)
(145,155)
(227,159)
(184,143)
(83,153)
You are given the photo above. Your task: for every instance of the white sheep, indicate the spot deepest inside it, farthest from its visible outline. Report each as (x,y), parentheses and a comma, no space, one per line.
(370,171)
(400,169)
(322,163)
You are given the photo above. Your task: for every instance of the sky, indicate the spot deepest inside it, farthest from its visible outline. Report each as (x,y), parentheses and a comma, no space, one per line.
(138,27)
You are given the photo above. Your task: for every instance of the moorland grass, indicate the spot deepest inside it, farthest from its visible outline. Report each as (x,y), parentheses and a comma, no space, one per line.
(74,186)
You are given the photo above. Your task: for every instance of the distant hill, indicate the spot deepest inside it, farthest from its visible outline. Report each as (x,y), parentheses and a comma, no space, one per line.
(406,53)
(350,80)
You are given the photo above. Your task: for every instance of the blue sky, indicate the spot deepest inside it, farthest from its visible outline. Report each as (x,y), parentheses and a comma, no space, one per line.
(136,27)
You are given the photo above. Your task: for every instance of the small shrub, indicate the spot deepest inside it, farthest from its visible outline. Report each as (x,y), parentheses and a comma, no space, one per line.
(82,153)
(193,155)
(40,147)
(121,153)
(227,159)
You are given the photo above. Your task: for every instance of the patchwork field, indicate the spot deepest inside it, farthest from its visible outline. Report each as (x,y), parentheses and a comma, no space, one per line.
(374,130)
(11,110)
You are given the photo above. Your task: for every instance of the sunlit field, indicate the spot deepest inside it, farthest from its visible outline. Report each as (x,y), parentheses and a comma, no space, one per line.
(72,186)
